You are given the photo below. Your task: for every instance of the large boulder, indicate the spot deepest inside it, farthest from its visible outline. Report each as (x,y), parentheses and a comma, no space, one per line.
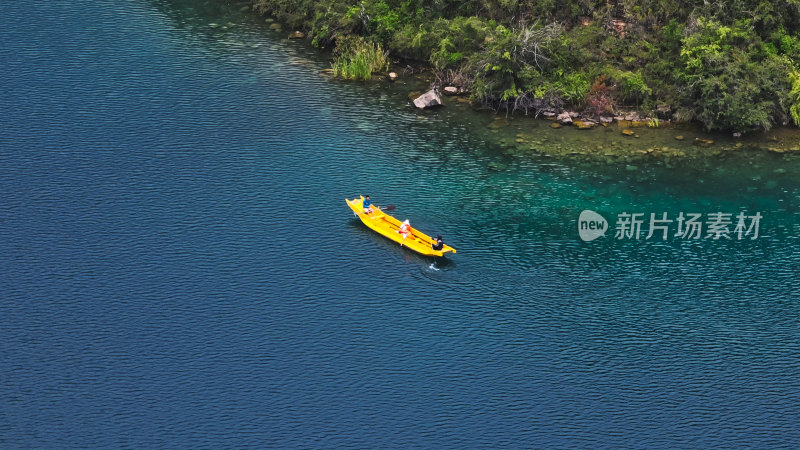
(428,100)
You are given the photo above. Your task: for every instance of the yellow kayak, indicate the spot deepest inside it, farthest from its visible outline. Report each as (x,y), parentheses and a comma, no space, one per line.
(389,227)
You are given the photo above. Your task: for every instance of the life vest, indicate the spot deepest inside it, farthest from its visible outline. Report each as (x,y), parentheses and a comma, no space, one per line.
(405,229)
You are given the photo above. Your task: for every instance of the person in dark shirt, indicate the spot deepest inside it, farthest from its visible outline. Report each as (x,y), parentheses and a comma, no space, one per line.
(437,244)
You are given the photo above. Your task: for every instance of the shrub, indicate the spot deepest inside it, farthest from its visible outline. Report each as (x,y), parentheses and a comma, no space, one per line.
(573,87)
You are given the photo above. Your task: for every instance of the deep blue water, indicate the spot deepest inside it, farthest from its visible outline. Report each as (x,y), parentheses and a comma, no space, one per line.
(178,266)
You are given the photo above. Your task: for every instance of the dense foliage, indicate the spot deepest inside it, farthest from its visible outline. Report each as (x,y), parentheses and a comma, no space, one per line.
(731,65)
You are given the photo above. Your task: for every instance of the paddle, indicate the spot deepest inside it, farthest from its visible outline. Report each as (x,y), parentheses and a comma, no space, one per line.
(388,208)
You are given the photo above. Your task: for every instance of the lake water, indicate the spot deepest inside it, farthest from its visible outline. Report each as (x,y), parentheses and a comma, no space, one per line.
(179,269)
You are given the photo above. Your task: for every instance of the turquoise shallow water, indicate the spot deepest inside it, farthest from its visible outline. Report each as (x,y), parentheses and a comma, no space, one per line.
(180,269)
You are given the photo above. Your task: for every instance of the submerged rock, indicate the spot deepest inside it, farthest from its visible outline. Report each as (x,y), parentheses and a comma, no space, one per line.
(584,124)
(628,132)
(555,125)
(679,137)
(297,35)
(392,76)
(429,99)
(703,142)
(499,122)
(275,27)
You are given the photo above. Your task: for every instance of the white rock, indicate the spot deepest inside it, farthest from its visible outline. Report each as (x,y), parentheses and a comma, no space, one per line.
(428,100)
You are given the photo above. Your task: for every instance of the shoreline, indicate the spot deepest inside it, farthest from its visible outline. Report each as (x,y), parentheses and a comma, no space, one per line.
(616,141)
(621,141)
(685,63)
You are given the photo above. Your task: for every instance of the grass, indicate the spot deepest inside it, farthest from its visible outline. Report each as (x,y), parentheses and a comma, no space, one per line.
(360,61)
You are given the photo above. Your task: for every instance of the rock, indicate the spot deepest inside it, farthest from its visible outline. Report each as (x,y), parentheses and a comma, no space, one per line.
(392,76)
(606,119)
(555,125)
(619,26)
(679,137)
(573,114)
(631,168)
(549,113)
(737,135)
(584,124)
(663,111)
(499,122)
(564,118)
(703,142)
(429,99)
(275,27)
(450,90)
(269,20)
(628,132)
(297,35)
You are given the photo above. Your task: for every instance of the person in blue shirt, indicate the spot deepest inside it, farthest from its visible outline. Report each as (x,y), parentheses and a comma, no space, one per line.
(367,205)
